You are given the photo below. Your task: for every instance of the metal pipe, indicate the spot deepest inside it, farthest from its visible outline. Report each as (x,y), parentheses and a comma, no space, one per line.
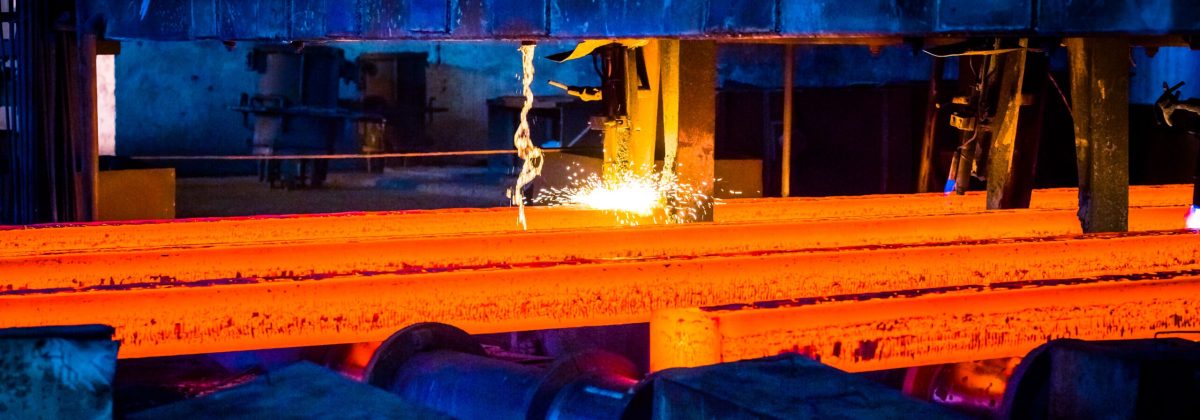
(336,156)
(604,397)
(789,59)
(467,386)
(444,368)
(86,135)
(929,139)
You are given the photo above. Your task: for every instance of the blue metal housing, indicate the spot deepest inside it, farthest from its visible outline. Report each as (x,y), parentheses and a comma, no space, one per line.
(575,19)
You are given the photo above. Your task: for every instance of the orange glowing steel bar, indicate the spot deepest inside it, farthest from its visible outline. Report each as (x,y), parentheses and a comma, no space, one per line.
(258,313)
(894,205)
(97,237)
(930,329)
(331,257)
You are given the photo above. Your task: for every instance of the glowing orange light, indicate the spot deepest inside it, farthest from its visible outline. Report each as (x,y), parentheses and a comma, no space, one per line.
(935,328)
(209,285)
(194,317)
(349,227)
(185,263)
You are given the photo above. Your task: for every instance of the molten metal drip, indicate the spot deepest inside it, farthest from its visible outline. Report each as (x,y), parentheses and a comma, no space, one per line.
(532,155)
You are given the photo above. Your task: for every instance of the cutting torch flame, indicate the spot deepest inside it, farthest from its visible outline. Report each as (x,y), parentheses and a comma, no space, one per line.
(634,198)
(1193,218)
(638,196)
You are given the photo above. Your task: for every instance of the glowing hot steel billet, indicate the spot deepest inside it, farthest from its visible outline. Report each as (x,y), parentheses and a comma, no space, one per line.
(532,155)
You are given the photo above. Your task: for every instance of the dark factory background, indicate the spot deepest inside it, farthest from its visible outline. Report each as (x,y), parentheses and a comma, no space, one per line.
(599,209)
(859,115)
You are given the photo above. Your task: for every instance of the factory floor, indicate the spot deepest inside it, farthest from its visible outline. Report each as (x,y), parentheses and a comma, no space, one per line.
(394,189)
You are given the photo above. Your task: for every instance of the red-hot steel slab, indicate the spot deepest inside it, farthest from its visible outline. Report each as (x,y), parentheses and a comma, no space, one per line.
(334,257)
(100,237)
(202,317)
(934,328)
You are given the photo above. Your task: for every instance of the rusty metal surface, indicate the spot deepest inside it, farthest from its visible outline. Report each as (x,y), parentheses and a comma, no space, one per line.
(931,328)
(1100,105)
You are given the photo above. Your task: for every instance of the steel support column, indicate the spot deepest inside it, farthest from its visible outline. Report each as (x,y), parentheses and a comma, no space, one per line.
(925,178)
(1018,191)
(1100,104)
(785,160)
(1013,158)
(1000,170)
(695,161)
(85,161)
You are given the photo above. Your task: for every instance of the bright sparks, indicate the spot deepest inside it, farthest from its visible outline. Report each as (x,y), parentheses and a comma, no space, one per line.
(1193,218)
(634,199)
(638,197)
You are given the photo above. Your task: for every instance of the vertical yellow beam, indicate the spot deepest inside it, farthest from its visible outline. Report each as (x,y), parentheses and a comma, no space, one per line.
(643,108)
(669,89)
(789,59)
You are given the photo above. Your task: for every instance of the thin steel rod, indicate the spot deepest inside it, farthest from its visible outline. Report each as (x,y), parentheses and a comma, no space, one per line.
(789,58)
(338,156)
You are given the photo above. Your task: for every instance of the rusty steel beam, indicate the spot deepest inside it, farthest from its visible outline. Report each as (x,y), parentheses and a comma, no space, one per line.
(1001,171)
(932,328)
(241,314)
(1100,112)
(176,265)
(123,236)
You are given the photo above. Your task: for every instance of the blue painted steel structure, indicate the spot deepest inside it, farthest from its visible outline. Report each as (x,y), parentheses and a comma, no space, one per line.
(575,19)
